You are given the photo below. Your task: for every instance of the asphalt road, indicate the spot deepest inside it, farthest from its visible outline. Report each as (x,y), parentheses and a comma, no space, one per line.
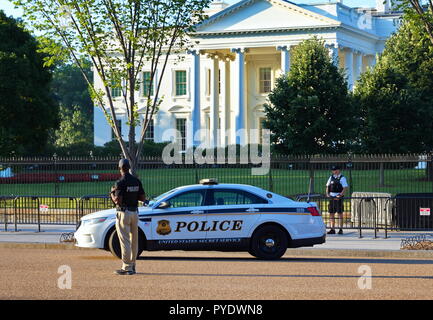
(34,274)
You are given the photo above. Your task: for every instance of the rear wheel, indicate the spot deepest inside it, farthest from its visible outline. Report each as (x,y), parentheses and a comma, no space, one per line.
(114,244)
(269,243)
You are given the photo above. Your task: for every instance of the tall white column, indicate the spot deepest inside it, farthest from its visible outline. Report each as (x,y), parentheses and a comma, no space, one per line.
(373,59)
(226,94)
(239,89)
(195,81)
(333,52)
(348,65)
(214,110)
(358,65)
(285,58)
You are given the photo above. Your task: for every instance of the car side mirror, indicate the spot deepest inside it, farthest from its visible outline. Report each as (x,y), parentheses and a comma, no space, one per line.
(164,205)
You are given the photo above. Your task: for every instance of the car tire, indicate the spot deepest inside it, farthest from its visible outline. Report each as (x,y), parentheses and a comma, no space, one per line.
(269,243)
(114,245)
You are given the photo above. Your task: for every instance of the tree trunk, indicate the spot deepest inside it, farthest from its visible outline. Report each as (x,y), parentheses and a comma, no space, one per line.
(134,158)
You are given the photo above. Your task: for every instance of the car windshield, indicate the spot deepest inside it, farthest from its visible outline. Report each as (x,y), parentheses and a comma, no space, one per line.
(161,196)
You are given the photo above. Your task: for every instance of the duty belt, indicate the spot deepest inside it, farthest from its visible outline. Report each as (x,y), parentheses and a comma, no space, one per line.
(127,208)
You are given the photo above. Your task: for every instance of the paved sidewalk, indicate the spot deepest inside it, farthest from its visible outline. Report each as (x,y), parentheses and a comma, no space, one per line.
(349,240)
(29,233)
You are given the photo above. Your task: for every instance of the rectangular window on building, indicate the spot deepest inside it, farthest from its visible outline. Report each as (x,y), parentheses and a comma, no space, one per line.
(265,80)
(181,128)
(119,124)
(180,82)
(150,132)
(147,84)
(115,90)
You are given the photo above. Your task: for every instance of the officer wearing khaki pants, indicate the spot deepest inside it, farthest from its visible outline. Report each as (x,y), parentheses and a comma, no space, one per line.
(126,193)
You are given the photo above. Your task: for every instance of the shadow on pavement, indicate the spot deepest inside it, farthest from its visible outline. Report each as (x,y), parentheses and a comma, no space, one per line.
(291,260)
(165,274)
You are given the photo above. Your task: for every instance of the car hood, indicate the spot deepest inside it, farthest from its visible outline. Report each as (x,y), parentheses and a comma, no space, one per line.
(111,213)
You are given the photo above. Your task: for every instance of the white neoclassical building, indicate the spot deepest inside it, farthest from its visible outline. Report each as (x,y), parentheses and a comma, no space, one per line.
(223,83)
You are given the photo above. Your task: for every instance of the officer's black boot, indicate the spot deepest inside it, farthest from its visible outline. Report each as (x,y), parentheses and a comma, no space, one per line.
(122,272)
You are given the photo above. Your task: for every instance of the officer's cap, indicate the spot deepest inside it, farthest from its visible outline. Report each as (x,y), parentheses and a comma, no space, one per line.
(124,163)
(335,168)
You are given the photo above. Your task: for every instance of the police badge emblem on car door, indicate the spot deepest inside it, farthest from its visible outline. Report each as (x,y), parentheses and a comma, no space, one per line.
(163,227)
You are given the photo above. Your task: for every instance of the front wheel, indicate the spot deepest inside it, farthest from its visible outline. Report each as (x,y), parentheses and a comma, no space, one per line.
(269,243)
(114,245)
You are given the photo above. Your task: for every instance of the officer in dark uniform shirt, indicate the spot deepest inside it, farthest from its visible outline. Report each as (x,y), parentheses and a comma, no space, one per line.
(335,189)
(126,193)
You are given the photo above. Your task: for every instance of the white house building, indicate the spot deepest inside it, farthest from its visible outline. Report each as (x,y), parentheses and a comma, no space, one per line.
(223,83)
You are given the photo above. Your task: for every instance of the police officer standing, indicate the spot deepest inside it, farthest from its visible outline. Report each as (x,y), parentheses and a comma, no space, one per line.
(126,193)
(335,189)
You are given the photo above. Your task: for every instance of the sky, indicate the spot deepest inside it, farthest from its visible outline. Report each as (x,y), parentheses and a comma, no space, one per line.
(8,7)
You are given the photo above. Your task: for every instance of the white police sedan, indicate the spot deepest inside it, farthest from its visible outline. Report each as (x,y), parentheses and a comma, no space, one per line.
(212,216)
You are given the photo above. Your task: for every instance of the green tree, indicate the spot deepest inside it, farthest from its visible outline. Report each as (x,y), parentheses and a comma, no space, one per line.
(75,133)
(395,118)
(119,37)
(74,128)
(409,51)
(310,109)
(27,111)
(70,89)
(420,12)
(396,97)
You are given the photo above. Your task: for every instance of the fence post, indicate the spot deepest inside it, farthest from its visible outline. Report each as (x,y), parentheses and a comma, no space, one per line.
(77,210)
(386,217)
(271,182)
(6,217)
(375,218)
(311,173)
(349,166)
(56,185)
(196,172)
(39,212)
(15,213)
(430,170)
(382,175)
(5,213)
(359,220)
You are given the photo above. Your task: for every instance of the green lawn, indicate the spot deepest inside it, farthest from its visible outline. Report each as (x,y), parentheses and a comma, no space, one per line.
(286,182)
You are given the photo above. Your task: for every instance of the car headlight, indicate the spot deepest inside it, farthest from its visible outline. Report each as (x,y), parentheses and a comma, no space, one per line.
(93,221)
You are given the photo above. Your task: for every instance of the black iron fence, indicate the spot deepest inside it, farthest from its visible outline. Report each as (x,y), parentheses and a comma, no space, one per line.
(46,210)
(402,212)
(379,185)
(362,212)
(288,175)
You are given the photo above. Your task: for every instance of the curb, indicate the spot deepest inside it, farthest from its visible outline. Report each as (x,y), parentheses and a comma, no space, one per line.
(39,245)
(428,254)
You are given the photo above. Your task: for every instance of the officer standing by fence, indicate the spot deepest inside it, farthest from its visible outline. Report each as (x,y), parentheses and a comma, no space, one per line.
(126,193)
(335,189)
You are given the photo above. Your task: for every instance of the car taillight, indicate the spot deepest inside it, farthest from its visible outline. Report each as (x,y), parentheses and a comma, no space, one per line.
(314,212)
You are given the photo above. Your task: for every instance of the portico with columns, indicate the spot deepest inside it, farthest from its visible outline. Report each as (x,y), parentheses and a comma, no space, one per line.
(239,53)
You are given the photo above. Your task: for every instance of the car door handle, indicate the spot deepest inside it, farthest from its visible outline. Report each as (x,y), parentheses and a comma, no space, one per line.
(197,211)
(252,210)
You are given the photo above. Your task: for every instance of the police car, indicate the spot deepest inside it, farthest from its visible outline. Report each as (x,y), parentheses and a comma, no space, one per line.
(212,216)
